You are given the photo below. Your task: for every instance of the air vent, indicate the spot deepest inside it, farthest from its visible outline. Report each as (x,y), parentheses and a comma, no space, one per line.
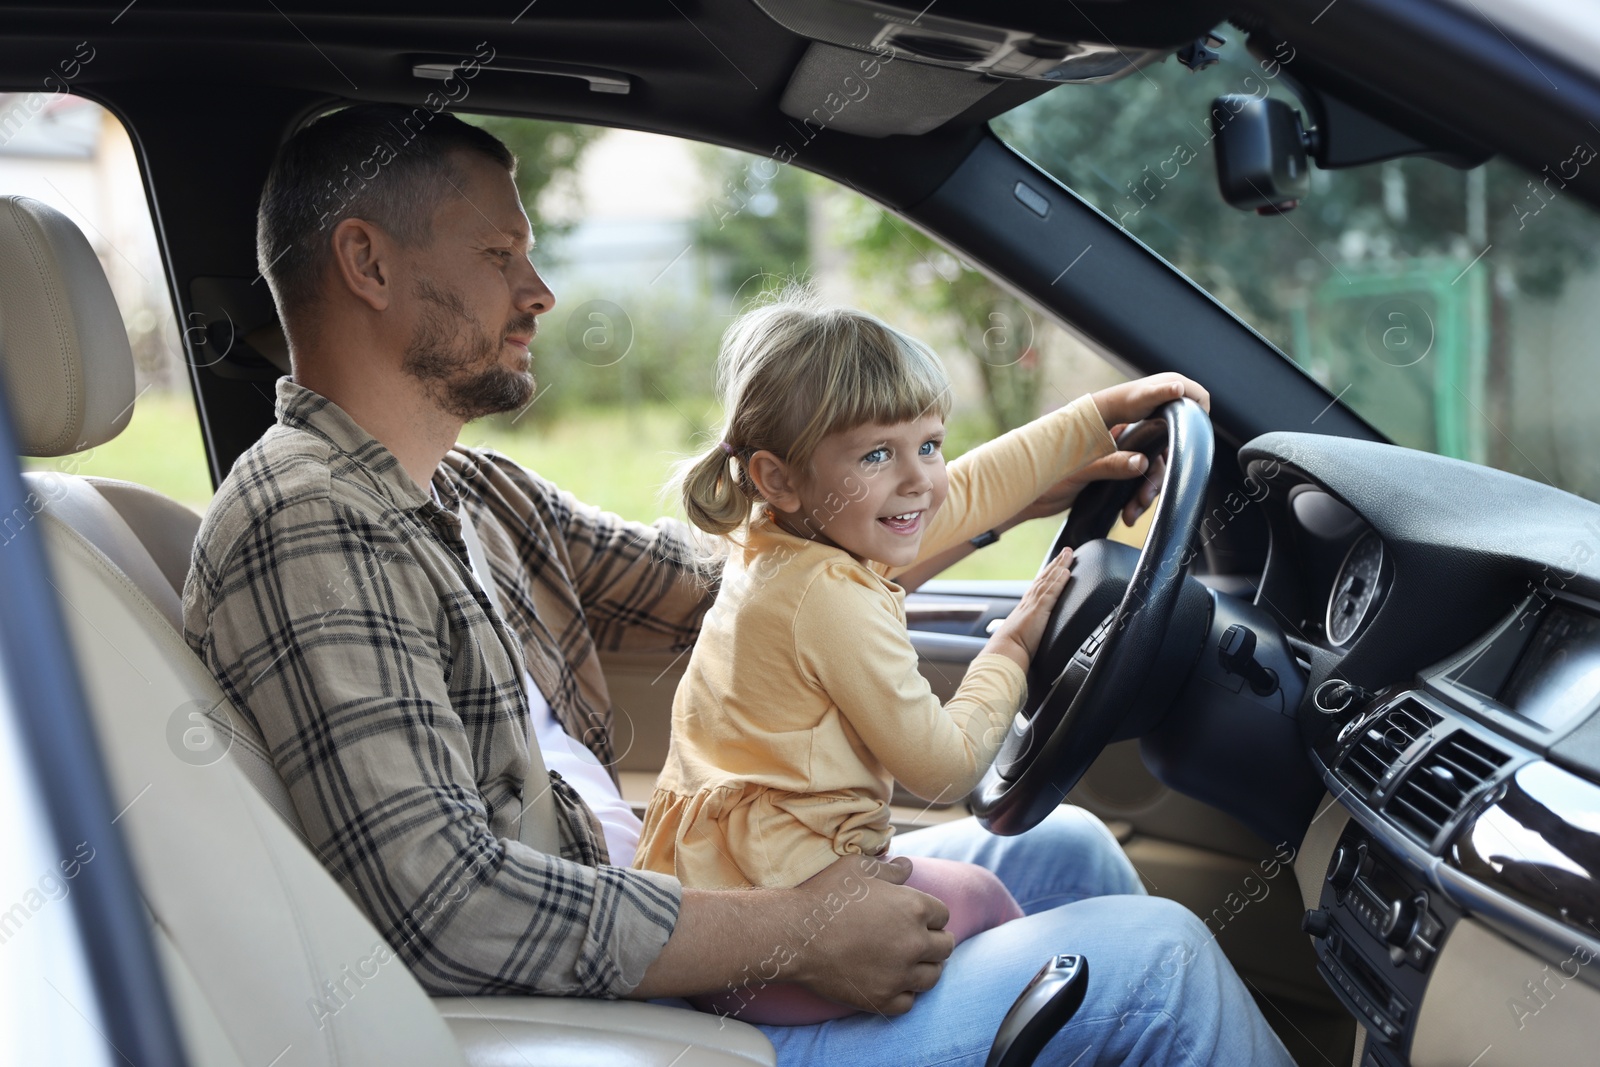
(1442,783)
(1383,742)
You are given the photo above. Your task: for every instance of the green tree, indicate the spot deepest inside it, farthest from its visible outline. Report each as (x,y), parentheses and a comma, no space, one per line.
(1140,150)
(546,152)
(758,225)
(756,220)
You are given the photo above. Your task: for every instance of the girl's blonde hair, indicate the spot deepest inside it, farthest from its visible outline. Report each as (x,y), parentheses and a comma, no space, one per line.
(792,371)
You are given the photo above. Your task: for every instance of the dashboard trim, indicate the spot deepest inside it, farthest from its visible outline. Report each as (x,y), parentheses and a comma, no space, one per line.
(1551,941)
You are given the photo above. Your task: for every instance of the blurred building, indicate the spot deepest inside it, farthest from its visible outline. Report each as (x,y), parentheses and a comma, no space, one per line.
(630,213)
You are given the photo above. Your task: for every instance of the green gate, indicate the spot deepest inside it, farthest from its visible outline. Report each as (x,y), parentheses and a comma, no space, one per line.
(1407,347)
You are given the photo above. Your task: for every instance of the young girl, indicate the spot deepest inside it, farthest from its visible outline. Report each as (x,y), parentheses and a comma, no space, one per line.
(803,700)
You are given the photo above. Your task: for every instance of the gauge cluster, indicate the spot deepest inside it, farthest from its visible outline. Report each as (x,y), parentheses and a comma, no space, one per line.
(1329,571)
(1355,590)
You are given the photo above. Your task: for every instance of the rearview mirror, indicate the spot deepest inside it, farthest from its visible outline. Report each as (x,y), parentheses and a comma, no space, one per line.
(1261,153)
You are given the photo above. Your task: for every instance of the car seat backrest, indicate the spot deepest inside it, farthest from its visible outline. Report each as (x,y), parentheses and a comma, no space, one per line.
(68,372)
(264,949)
(165,528)
(78,502)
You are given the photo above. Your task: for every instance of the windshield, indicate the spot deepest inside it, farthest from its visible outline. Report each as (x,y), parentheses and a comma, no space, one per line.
(1454,310)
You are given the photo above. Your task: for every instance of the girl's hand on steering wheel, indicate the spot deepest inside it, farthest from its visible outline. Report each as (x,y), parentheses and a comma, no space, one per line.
(1018,637)
(1116,467)
(1128,403)
(1135,400)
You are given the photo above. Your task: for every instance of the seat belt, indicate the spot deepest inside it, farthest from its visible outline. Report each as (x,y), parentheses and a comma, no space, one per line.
(538,829)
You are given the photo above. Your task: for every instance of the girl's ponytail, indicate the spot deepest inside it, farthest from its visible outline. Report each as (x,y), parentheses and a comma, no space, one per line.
(714,495)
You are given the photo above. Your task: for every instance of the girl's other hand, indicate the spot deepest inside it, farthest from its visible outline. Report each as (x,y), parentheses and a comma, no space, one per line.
(1018,637)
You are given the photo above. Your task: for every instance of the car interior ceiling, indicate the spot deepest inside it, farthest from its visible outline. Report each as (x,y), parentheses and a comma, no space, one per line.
(208,97)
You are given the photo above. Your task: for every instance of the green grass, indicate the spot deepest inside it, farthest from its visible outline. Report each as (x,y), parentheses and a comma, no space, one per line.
(618,459)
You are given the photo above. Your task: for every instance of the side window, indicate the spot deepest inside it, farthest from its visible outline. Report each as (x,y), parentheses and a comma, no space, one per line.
(75,156)
(652,246)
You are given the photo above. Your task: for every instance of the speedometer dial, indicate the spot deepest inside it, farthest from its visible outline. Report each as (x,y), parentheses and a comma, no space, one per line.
(1355,590)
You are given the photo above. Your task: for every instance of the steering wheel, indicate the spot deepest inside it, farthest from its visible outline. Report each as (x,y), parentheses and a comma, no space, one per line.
(1106,662)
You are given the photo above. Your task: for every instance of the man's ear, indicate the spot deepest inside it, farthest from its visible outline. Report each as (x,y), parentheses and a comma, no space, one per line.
(774,480)
(363,258)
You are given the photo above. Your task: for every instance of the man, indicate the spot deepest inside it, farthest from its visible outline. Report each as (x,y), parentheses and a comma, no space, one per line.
(335,594)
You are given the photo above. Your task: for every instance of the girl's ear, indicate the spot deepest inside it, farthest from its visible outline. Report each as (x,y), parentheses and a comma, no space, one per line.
(773,480)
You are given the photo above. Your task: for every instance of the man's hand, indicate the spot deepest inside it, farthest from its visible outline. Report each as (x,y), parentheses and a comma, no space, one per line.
(852,933)
(883,946)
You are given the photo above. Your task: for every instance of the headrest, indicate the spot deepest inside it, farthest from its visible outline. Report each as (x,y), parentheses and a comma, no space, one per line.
(64,352)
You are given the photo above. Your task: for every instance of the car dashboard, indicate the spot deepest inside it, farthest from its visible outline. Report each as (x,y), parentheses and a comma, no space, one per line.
(1448,619)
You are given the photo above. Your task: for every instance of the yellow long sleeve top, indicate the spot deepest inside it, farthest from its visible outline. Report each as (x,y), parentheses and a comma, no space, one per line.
(803,700)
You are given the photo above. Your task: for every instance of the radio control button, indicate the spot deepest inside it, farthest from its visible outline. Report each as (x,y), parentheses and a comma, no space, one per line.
(1399,922)
(1346,864)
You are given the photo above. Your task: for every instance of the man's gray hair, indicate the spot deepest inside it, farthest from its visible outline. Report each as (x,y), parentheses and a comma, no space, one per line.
(388,164)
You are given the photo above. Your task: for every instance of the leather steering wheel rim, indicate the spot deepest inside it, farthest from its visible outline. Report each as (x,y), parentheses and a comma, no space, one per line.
(1053,741)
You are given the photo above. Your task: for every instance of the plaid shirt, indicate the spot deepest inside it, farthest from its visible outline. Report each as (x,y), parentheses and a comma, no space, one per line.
(334,602)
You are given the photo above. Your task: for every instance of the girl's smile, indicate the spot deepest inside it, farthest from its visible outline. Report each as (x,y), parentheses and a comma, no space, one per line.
(904,525)
(871,491)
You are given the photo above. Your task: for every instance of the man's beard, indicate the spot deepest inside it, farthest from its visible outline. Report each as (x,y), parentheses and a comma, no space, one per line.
(459,362)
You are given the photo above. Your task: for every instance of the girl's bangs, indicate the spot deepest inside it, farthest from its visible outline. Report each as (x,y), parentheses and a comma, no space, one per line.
(902,384)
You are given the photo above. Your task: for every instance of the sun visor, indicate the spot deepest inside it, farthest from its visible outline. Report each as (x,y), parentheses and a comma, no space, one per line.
(872,95)
(1065,47)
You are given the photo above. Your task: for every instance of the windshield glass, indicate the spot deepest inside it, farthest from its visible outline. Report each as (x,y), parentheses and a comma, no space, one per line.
(1456,311)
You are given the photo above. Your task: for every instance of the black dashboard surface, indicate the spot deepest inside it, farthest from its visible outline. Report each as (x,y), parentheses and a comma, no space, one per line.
(1466,545)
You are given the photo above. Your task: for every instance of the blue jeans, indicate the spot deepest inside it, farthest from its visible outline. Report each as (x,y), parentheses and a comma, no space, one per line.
(1160,990)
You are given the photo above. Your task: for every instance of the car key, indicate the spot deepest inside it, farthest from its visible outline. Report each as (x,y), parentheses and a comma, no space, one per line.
(1044,1007)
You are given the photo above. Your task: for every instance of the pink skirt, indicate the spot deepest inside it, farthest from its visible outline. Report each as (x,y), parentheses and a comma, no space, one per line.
(977,900)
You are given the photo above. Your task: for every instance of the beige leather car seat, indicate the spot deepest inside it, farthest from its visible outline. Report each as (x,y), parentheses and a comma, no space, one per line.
(267,959)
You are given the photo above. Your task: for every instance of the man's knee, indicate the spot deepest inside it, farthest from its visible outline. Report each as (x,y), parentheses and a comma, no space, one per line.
(1072,831)
(1073,825)
(1172,949)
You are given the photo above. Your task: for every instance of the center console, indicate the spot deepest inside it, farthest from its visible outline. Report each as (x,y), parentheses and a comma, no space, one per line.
(1474,802)
(1377,931)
